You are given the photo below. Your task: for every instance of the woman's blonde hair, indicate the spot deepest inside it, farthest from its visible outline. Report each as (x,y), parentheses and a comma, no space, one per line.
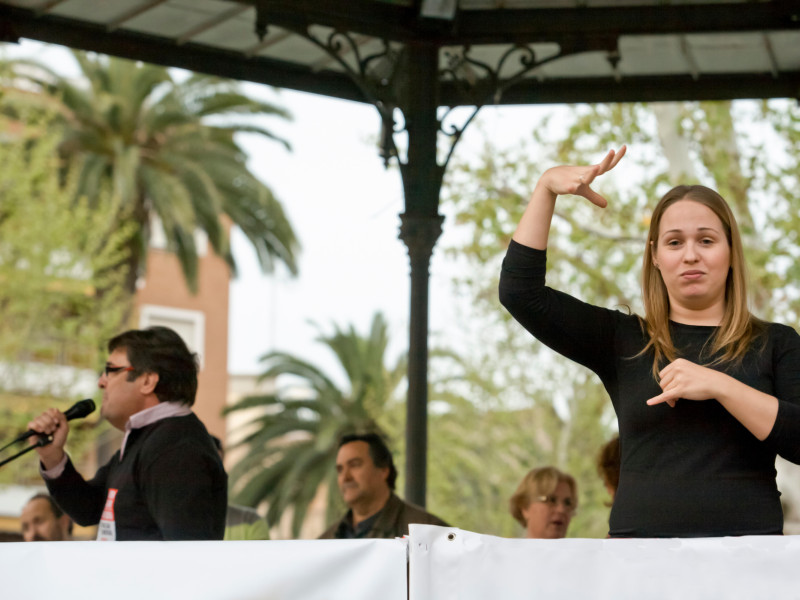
(539,482)
(738,327)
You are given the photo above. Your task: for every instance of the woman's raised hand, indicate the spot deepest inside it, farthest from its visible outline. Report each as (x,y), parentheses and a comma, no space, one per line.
(577,180)
(534,226)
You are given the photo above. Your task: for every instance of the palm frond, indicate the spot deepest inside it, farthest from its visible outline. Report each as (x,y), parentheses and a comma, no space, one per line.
(126,120)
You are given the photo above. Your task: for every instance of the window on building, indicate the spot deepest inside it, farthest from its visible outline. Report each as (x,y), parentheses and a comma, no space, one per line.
(189,324)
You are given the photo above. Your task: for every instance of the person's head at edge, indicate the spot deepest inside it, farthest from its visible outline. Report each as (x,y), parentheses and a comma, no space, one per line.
(608,461)
(365,473)
(145,367)
(42,520)
(545,502)
(720,266)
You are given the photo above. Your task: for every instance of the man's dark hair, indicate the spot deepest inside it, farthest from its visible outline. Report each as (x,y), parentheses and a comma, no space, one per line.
(378,451)
(57,512)
(162,351)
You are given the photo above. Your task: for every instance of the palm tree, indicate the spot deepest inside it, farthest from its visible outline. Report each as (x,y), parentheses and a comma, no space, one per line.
(291,447)
(167,149)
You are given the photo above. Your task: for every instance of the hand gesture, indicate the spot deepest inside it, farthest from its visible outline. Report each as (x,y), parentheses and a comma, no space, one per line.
(50,422)
(683,379)
(577,180)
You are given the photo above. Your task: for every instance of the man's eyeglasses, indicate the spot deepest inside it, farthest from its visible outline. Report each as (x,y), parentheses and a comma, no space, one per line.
(110,369)
(552,502)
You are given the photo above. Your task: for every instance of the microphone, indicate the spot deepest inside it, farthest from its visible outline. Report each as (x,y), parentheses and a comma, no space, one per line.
(78,410)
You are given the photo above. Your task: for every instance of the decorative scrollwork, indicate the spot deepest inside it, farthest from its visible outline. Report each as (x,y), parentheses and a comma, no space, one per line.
(527,57)
(340,45)
(454,132)
(374,75)
(491,83)
(485,84)
(385,79)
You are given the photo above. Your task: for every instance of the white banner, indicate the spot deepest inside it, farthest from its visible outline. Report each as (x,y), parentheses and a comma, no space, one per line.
(449,564)
(445,564)
(248,570)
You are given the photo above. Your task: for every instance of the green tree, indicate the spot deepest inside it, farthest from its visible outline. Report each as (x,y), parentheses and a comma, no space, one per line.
(167,149)
(292,441)
(60,296)
(746,150)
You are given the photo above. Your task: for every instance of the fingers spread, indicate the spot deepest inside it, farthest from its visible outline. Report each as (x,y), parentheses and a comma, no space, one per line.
(595,198)
(603,165)
(617,157)
(610,160)
(586,178)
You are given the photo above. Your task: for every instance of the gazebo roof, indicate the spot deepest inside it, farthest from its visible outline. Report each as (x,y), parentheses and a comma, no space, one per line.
(539,51)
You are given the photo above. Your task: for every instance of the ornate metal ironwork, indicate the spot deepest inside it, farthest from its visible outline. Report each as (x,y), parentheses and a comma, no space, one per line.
(484,84)
(379,76)
(387,149)
(374,74)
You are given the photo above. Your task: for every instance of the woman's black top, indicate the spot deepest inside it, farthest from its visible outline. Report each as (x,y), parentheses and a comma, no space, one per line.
(688,471)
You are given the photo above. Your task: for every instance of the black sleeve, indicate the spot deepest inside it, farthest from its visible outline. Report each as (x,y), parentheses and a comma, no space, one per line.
(185,489)
(785,434)
(575,329)
(82,500)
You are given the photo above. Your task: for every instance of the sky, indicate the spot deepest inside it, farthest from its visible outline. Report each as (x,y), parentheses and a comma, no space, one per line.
(344,206)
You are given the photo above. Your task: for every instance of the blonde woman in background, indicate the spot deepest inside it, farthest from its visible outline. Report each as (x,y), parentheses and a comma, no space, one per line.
(545,502)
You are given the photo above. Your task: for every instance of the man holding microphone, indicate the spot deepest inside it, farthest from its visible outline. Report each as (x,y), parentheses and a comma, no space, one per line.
(166,482)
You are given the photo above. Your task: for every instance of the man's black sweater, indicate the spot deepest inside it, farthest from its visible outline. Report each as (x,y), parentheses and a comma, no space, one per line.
(170,485)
